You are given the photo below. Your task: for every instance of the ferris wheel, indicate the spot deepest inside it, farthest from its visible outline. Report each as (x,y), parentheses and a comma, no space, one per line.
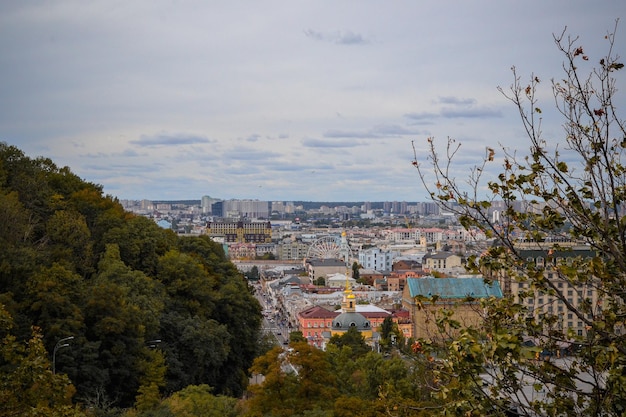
(330,247)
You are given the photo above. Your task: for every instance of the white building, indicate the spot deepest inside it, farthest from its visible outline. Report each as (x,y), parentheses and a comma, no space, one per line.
(377,259)
(251,209)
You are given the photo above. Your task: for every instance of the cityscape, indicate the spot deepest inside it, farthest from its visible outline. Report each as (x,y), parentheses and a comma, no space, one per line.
(305,255)
(312,209)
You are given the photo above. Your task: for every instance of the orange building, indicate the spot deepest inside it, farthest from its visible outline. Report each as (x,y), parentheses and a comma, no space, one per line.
(313,321)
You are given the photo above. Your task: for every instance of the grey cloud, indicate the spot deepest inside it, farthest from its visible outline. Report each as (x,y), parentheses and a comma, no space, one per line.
(127,153)
(380,131)
(348,134)
(303,168)
(395,130)
(169,140)
(421,116)
(456,100)
(318,143)
(452,113)
(134,168)
(249,155)
(337,37)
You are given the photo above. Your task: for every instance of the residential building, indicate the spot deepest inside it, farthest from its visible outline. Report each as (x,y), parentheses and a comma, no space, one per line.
(377,259)
(323,267)
(313,322)
(406,265)
(338,280)
(241,231)
(248,209)
(242,251)
(541,255)
(459,295)
(293,250)
(396,281)
(444,262)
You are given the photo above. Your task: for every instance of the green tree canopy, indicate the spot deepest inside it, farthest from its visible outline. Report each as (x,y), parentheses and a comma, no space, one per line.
(73,262)
(352,338)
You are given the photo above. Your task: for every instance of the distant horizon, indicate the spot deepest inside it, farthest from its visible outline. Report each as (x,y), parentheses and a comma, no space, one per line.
(287,201)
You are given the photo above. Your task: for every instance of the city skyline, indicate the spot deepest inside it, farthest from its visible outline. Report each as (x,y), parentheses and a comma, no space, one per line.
(279,101)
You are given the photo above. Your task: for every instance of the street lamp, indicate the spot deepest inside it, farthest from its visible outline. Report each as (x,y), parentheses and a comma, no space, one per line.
(152,344)
(60,344)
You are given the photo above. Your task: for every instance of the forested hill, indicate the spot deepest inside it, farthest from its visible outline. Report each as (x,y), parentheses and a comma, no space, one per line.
(75,264)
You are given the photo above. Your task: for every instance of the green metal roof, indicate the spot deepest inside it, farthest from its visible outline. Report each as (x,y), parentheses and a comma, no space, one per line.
(453,287)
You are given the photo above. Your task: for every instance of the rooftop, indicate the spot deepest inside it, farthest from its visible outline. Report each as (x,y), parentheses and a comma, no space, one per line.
(453,287)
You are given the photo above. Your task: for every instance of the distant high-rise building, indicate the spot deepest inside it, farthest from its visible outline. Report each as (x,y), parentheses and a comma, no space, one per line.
(278,207)
(249,209)
(217,209)
(206,204)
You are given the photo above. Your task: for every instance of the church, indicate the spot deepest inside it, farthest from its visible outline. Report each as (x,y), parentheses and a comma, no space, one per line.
(350,318)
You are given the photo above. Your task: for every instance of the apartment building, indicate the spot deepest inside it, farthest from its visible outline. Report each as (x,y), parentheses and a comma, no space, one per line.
(377,259)
(543,303)
(241,231)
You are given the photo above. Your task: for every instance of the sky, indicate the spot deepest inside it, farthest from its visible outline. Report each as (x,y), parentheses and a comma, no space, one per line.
(278,100)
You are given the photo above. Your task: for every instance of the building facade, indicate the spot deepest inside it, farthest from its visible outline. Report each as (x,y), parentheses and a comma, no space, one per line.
(377,259)
(241,231)
(248,209)
(451,295)
(444,262)
(553,304)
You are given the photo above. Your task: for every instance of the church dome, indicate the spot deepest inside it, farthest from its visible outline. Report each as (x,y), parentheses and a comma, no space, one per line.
(351,319)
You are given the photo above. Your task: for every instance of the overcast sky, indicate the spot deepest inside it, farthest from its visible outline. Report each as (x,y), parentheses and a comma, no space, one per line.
(276,100)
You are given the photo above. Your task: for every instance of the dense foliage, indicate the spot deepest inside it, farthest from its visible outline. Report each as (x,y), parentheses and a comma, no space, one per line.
(306,381)
(150,312)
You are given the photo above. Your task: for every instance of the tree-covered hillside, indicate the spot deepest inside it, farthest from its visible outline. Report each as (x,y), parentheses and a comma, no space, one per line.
(75,264)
